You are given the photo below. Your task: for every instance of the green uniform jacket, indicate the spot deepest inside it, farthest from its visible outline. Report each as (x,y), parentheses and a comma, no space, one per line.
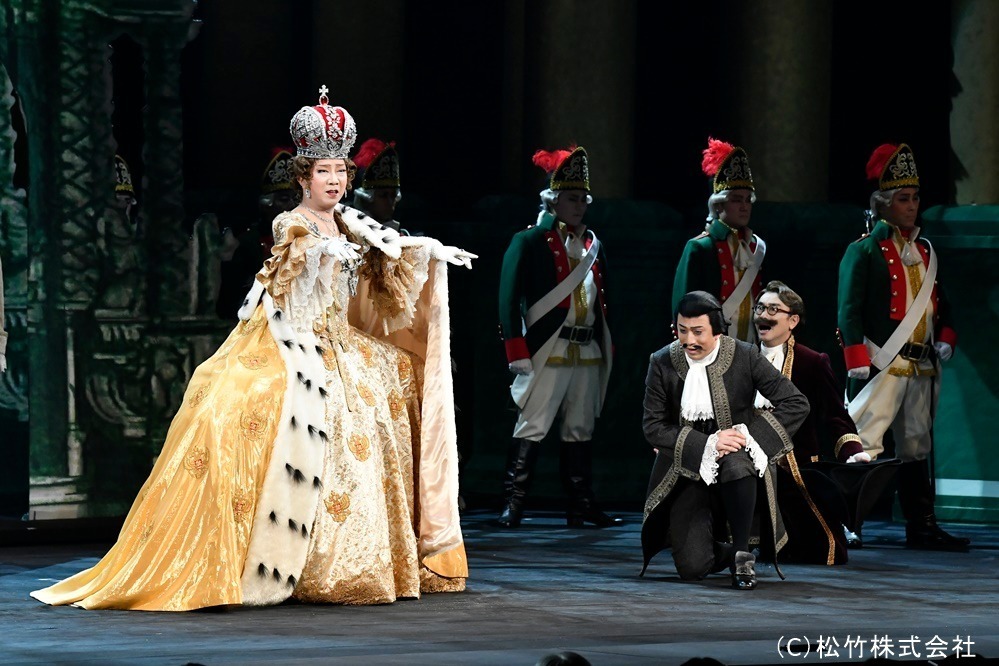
(872,295)
(706,265)
(534,263)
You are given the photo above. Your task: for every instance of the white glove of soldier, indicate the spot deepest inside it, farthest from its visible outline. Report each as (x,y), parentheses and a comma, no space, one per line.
(944,350)
(863,456)
(341,249)
(859,373)
(522,366)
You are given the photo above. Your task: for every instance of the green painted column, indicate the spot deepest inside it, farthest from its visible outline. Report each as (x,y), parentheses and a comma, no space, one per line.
(782,60)
(974,118)
(583,51)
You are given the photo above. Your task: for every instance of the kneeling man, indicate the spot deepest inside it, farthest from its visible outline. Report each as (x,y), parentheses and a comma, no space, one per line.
(713,449)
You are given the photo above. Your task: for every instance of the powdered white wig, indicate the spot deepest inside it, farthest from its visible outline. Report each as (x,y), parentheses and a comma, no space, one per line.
(549,198)
(716,200)
(881,200)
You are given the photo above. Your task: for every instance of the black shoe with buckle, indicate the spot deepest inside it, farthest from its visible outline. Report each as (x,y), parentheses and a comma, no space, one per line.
(743,572)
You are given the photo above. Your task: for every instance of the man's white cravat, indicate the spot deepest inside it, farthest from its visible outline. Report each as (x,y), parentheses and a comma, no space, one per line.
(910,255)
(695,403)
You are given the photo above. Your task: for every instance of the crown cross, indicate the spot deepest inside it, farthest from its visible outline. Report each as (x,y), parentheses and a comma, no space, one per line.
(323,91)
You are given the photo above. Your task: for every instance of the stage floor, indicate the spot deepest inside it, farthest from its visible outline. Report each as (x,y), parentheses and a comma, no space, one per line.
(541,589)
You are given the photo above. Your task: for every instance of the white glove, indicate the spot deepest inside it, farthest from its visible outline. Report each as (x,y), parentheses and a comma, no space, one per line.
(522,366)
(341,249)
(863,456)
(452,255)
(859,373)
(944,350)
(3,363)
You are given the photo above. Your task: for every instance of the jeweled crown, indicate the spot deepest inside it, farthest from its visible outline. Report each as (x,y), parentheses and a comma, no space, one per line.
(323,132)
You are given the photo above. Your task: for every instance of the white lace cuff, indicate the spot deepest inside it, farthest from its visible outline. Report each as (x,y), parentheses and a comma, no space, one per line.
(418,255)
(312,290)
(709,461)
(757,454)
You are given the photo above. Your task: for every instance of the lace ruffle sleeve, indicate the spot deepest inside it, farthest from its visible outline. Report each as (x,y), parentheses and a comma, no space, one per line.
(395,284)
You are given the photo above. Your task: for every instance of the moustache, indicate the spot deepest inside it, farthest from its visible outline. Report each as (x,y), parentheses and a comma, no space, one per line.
(691,347)
(767,322)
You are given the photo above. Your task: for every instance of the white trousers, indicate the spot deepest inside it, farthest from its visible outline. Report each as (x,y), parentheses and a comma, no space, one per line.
(903,404)
(570,392)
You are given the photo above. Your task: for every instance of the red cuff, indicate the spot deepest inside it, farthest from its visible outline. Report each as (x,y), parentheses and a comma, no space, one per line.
(856,357)
(848,449)
(948,335)
(516,349)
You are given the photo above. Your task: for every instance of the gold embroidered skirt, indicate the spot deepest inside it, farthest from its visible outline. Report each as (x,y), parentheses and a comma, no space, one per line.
(184,542)
(185,538)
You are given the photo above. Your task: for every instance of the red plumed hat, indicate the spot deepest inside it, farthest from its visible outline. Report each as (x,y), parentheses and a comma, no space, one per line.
(378,164)
(727,165)
(369,151)
(550,159)
(893,166)
(715,155)
(567,169)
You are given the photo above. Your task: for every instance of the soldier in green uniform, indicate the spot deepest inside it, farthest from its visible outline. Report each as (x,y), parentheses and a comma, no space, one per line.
(895,324)
(380,187)
(277,195)
(726,258)
(553,319)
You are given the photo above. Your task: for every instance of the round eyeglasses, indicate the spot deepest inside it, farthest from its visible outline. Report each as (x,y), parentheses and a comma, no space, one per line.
(771,309)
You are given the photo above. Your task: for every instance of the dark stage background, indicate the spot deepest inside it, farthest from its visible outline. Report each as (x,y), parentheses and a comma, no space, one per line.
(196,95)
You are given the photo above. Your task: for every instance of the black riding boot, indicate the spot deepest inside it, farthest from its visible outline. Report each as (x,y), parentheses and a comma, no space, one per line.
(915,495)
(576,470)
(519,466)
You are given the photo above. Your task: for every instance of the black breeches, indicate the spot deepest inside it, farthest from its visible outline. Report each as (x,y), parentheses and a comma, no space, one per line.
(698,511)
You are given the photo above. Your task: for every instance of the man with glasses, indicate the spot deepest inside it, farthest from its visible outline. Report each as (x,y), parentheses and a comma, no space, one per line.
(715,453)
(813,510)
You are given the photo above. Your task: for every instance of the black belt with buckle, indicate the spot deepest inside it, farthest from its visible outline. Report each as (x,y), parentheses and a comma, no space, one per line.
(917,353)
(579,335)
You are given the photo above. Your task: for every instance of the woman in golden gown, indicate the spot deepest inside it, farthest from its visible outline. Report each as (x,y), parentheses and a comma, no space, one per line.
(314,453)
